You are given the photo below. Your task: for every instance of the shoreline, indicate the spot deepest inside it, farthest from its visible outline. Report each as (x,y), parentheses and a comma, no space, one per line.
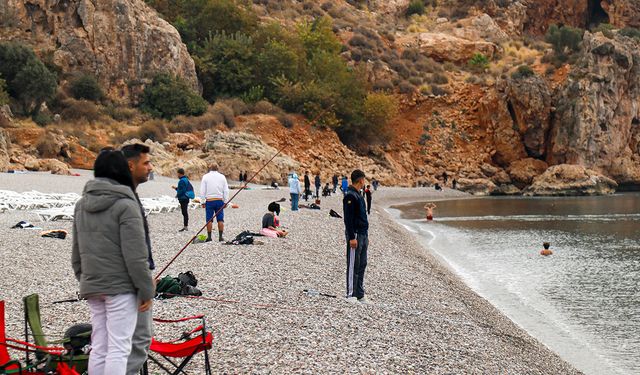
(424,319)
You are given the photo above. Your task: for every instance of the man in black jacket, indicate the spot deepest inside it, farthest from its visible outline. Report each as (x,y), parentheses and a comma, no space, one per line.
(307,186)
(356,231)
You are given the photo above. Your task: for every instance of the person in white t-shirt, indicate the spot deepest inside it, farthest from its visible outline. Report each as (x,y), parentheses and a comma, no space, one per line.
(214,192)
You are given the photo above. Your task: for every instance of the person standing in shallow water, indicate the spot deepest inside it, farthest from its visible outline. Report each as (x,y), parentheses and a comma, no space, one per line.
(545,251)
(356,232)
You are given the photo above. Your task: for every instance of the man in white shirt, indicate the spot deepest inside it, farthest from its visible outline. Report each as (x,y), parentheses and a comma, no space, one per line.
(214,192)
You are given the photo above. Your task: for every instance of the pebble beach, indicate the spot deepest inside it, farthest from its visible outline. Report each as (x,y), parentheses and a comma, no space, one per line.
(422,318)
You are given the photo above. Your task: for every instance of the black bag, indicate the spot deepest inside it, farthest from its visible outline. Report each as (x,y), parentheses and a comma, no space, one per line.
(188,278)
(332,213)
(244,238)
(79,336)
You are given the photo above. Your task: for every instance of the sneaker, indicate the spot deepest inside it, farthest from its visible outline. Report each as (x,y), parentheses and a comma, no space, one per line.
(364,300)
(183,229)
(351,299)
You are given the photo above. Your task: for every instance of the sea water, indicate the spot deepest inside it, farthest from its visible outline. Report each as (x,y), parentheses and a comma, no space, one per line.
(583,302)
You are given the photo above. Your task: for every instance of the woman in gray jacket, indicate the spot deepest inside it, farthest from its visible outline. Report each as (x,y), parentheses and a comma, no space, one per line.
(109,260)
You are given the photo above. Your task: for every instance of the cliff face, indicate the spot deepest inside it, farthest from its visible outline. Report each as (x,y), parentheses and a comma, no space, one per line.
(598,110)
(122,42)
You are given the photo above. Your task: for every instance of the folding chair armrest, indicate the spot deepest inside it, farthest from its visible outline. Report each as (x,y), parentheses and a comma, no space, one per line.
(178,320)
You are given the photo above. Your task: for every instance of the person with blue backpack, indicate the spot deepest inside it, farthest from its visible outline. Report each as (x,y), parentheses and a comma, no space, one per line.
(184,193)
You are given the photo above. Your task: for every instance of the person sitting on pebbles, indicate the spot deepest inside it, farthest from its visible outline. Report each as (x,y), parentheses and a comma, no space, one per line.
(429,210)
(270,222)
(546,250)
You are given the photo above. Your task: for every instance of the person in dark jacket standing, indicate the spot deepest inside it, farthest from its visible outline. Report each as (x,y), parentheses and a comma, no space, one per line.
(334,180)
(356,231)
(245,177)
(140,166)
(318,184)
(183,199)
(367,195)
(109,259)
(307,186)
(241,177)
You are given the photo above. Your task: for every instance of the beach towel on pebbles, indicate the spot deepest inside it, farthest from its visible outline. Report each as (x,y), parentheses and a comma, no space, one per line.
(55,233)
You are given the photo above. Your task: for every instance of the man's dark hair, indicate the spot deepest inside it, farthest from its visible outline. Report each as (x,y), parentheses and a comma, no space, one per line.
(181,171)
(356,175)
(133,151)
(112,164)
(546,245)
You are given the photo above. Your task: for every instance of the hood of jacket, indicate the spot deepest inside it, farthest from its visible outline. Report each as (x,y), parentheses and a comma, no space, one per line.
(101,193)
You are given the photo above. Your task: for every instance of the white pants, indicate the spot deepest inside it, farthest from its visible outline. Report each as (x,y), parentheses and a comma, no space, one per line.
(113,320)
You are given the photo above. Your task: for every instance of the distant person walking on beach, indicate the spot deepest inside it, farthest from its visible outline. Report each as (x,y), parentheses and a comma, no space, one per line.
(375,184)
(334,180)
(545,251)
(184,193)
(245,177)
(356,232)
(344,185)
(454,183)
(141,170)
(429,207)
(110,260)
(241,177)
(318,184)
(367,195)
(445,178)
(307,186)
(294,190)
(214,192)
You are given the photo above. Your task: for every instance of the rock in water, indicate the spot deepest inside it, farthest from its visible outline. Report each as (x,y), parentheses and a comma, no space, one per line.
(567,180)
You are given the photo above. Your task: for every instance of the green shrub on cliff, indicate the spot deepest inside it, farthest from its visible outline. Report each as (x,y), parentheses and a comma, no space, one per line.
(564,39)
(631,32)
(86,86)
(4,95)
(415,7)
(28,79)
(523,71)
(478,62)
(168,96)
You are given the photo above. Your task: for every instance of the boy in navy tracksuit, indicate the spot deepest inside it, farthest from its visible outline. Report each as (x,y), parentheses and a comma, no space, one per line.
(356,230)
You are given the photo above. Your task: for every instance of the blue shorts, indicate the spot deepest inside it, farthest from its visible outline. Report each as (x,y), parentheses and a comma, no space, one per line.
(212,207)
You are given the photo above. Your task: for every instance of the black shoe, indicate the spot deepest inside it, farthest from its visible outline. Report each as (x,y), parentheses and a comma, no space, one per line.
(183,229)
(207,240)
(220,239)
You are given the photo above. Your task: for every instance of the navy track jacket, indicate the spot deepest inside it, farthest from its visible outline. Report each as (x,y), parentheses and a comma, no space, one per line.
(355,213)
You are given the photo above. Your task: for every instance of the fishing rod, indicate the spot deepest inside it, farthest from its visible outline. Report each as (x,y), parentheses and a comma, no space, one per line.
(242,187)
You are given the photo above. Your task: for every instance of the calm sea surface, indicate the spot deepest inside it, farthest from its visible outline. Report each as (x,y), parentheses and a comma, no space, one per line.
(583,302)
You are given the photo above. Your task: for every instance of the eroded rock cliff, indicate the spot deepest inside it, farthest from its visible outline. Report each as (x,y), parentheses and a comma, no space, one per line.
(122,42)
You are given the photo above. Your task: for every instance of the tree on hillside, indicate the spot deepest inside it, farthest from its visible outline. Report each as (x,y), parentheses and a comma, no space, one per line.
(27,78)
(86,87)
(168,96)
(226,65)
(34,84)
(4,95)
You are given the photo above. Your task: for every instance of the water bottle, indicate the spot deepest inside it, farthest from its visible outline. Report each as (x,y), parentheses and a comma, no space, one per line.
(312,293)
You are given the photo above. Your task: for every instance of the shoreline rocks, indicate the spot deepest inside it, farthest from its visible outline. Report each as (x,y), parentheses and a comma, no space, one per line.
(569,180)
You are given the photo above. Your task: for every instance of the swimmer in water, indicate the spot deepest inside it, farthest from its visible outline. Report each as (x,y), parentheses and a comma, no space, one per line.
(546,250)
(429,210)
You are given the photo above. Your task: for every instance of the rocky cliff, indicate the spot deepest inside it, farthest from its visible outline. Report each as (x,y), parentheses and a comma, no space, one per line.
(122,42)
(598,110)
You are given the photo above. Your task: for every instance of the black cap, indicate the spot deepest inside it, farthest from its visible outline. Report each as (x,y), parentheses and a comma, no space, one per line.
(356,175)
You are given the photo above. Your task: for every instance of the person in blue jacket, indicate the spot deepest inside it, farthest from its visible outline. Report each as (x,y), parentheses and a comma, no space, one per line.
(357,234)
(344,185)
(182,193)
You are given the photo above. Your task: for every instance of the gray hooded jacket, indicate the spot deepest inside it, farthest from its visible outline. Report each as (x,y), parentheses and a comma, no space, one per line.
(109,250)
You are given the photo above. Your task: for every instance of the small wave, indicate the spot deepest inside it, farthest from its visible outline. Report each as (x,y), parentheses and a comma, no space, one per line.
(605,217)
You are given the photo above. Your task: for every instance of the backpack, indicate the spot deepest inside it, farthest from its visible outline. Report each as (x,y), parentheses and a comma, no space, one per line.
(78,339)
(190,193)
(167,286)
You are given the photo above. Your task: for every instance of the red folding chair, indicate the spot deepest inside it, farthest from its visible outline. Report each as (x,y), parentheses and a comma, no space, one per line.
(9,366)
(184,347)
